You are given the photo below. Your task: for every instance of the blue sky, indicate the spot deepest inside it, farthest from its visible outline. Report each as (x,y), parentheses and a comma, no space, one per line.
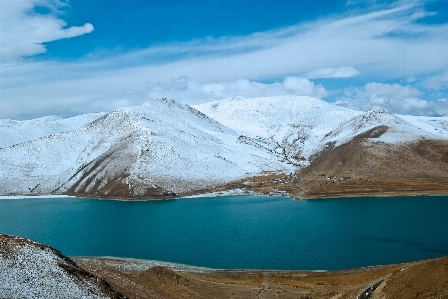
(71,57)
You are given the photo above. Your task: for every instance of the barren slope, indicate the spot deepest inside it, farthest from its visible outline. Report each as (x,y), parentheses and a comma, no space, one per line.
(365,167)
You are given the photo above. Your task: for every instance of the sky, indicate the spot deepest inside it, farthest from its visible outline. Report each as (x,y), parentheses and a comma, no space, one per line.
(64,58)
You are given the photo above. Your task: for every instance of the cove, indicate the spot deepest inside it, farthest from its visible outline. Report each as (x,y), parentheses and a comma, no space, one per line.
(239,232)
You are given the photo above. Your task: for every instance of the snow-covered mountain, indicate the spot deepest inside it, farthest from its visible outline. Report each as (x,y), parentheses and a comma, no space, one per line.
(166,148)
(161,147)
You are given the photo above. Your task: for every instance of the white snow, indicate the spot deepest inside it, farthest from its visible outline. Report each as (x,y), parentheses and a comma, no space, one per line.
(438,126)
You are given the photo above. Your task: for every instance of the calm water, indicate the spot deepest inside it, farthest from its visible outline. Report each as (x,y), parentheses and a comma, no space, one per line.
(243,232)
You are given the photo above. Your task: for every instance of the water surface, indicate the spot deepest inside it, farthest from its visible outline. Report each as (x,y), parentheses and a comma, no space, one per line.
(244,232)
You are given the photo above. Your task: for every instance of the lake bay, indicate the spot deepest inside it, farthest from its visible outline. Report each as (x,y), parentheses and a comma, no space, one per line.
(239,232)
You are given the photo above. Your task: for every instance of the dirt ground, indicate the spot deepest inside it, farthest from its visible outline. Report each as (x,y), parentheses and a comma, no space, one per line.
(422,279)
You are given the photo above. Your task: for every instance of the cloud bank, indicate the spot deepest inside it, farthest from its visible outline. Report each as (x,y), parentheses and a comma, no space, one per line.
(192,92)
(395,98)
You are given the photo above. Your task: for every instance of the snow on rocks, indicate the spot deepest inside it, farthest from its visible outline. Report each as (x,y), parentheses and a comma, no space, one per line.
(33,270)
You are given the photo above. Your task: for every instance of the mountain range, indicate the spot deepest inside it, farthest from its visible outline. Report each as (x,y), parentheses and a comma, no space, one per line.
(294,145)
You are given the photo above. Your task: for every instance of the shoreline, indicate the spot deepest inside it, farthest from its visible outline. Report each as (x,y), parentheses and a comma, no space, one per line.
(136,264)
(35,196)
(223,194)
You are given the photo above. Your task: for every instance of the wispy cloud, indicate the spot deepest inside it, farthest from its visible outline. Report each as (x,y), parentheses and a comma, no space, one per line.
(23,32)
(389,44)
(331,72)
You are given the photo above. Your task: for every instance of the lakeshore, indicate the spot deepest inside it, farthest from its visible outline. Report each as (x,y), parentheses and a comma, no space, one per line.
(401,281)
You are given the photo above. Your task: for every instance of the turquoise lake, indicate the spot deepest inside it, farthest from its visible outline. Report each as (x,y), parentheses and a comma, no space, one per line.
(239,232)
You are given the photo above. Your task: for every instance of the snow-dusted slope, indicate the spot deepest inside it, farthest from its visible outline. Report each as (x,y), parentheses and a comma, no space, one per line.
(438,126)
(161,145)
(394,129)
(275,116)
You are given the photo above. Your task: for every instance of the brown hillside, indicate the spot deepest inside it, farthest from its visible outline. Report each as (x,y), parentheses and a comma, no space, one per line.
(365,167)
(423,279)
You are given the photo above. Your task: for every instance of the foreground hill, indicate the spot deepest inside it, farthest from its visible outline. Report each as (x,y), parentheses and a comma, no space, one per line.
(297,145)
(33,270)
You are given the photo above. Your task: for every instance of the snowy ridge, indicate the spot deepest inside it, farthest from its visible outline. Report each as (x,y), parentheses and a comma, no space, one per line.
(171,148)
(397,129)
(291,126)
(275,116)
(14,132)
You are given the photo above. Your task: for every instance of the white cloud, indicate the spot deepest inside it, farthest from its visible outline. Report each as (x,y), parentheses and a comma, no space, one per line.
(438,81)
(395,98)
(396,91)
(23,33)
(331,72)
(191,92)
